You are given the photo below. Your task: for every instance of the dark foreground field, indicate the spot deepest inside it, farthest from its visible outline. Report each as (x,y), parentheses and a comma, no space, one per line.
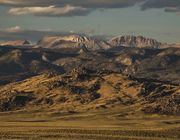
(88,126)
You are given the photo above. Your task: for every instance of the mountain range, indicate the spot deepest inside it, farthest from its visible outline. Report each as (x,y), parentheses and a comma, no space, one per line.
(91,43)
(75,74)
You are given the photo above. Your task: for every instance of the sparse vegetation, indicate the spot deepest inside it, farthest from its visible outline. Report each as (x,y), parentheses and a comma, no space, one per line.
(85,127)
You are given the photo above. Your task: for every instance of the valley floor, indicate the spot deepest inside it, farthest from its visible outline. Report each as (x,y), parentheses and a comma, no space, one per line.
(102,125)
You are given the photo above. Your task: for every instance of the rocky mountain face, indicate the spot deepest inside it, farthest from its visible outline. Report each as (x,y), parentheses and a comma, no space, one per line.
(139,42)
(134,41)
(72,41)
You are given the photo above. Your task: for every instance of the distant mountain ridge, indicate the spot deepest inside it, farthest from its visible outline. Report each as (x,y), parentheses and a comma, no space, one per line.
(80,41)
(92,43)
(15,43)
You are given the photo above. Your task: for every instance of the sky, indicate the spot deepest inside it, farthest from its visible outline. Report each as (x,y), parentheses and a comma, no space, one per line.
(31,20)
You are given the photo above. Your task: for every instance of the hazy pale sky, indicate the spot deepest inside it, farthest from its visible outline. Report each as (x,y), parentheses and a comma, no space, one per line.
(103,17)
